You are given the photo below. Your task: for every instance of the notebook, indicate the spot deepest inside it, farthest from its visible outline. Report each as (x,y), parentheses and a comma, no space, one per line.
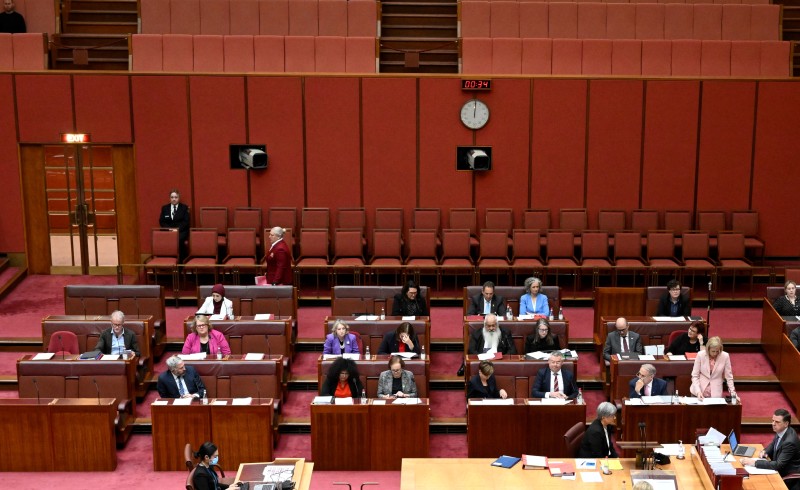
(738,449)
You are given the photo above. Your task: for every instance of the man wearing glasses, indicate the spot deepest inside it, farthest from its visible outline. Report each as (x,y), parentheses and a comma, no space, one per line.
(117,340)
(646,384)
(673,303)
(554,382)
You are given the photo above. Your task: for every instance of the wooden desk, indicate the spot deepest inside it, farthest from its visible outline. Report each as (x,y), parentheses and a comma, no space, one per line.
(57,434)
(521,428)
(678,375)
(520,329)
(516,374)
(372,331)
(369,371)
(243,432)
(364,437)
(650,330)
(246,334)
(253,472)
(670,423)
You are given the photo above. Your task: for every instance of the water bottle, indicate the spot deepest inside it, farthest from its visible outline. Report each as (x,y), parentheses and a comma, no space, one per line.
(422,352)
(219,353)
(205,398)
(383,313)
(676,400)
(366,354)
(551,315)
(579,401)
(509,314)
(681,450)
(363,396)
(733,398)
(560,313)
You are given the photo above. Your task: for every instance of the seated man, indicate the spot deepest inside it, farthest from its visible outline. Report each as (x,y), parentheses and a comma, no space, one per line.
(553,382)
(116,340)
(672,302)
(646,384)
(491,339)
(621,341)
(180,381)
(487,302)
(783,452)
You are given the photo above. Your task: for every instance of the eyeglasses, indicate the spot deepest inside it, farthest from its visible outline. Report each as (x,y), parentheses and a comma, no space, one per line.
(117,324)
(201,325)
(642,375)
(544,329)
(397,370)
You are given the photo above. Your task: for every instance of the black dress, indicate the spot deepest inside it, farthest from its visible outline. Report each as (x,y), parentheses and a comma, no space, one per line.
(681,345)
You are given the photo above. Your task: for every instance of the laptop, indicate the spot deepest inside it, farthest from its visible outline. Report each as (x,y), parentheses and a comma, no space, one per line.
(738,449)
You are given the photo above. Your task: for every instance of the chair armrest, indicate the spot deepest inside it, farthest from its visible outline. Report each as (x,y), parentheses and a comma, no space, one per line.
(125,406)
(276,405)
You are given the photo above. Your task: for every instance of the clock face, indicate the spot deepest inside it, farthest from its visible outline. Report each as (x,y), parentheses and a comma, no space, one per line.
(475,114)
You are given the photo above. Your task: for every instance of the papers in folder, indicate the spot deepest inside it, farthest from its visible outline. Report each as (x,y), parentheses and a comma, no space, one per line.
(253,356)
(407,401)
(713,436)
(263,317)
(669,318)
(193,357)
(43,356)
(370,318)
(242,401)
(405,355)
(653,350)
(110,357)
(752,470)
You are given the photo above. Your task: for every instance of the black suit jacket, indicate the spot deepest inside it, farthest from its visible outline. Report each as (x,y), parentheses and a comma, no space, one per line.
(476,390)
(391,343)
(498,305)
(181,221)
(594,442)
(104,343)
(786,459)
(401,303)
(168,388)
(203,480)
(684,307)
(659,388)
(541,385)
(505,345)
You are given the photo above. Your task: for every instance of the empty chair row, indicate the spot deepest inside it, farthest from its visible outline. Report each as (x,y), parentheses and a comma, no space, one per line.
(244,54)
(621,21)
(25,52)
(746,2)
(261,17)
(681,58)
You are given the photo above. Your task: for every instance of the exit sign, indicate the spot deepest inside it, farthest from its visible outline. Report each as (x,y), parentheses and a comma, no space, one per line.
(76,138)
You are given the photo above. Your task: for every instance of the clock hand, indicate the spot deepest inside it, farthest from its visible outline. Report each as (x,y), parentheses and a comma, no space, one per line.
(474,109)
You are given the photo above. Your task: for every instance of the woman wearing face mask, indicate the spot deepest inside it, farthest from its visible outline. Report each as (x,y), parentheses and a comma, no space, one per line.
(217,305)
(205,478)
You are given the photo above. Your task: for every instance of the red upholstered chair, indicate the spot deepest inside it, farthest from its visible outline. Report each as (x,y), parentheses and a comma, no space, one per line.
(319,218)
(621,21)
(146,52)
(283,217)
(362,18)
(155,16)
(533,20)
(238,54)
(203,252)
(348,253)
(332,17)
(248,218)
(353,219)
(707,21)
(244,17)
(299,53)
(30,51)
(678,21)
(592,20)
(567,55)
(313,253)
(712,222)
(359,342)
(473,20)
(215,17)
(500,219)
(649,21)
(178,52)
(303,18)
(695,255)
(456,259)
(217,218)
(736,22)
(526,254)
(493,257)
(428,219)
(673,337)
(360,54)
(656,57)
(715,58)
(575,220)
(775,58)
(476,54)
(465,219)
(241,252)
(612,221)
(504,18)
(537,56)
(274,17)
(732,258)
(765,23)
(184,17)
(746,59)
(561,256)
(389,219)
(563,20)
(329,54)
(678,221)
(661,255)
(596,57)
(628,256)
(7,52)
(165,250)
(269,55)
(573,439)
(594,255)
(422,254)
(643,221)
(507,55)
(208,53)
(536,219)
(626,57)
(746,222)
(686,56)
(63,342)
(386,254)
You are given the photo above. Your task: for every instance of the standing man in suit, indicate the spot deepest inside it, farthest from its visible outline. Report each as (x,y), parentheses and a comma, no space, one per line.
(783,452)
(278,259)
(646,384)
(621,341)
(491,338)
(180,381)
(487,302)
(597,441)
(116,340)
(175,215)
(553,382)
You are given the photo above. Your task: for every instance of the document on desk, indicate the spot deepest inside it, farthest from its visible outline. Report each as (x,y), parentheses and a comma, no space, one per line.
(368,318)
(614,464)
(591,477)
(758,471)
(278,472)
(254,356)
(555,401)
(689,400)
(110,357)
(678,357)
(634,401)
(712,436)
(408,318)
(668,449)
(657,400)
(525,317)
(647,357)
(379,402)
(669,318)
(714,401)
(408,401)
(260,317)
(654,350)
(405,355)
(242,401)
(486,356)
(183,401)
(493,401)
(355,357)
(160,402)
(325,357)
(220,402)
(539,355)
(199,356)
(43,356)
(343,401)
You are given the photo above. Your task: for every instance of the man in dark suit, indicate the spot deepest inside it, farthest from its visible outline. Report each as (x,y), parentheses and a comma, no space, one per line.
(547,378)
(622,341)
(646,384)
(175,215)
(783,452)
(673,303)
(180,381)
(117,340)
(487,302)
(278,259)
(491,338)
(597,442)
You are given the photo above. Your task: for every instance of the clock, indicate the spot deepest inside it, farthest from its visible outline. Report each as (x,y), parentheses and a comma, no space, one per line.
(475,114)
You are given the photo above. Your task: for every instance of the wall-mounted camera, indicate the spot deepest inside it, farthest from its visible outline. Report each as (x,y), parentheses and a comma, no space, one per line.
(474,158)
(249,157)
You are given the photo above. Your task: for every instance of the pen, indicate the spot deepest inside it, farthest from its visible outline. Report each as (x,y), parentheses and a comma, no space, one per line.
(582,463)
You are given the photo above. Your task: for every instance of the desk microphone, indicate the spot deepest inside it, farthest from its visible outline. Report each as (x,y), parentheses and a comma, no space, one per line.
(83,304)
(258,389)
(269,353)
(643,435)
(61,346)
(136,302)
(36,385)
(97,388)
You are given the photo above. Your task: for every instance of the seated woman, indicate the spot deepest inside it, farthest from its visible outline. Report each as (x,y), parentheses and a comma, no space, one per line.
(339,341)
(689,341)
(217,305)
(533,302)
(597,442)
(342,380)
(205,478)
(672,302)
(409,302)
(401,340)
(787,305)
(711,367)
(542,339)
(483,384)
(397,382)
(205,339)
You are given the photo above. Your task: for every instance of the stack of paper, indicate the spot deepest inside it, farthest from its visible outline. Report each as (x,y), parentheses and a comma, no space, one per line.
(354,357)
(43,356)
(322,400)
(530,462)
(370,318)
(253,356)
(242,401)
(408,401)
(263,316)
(193,357)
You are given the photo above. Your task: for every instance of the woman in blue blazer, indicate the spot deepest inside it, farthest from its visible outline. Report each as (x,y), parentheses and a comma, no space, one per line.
(533,302)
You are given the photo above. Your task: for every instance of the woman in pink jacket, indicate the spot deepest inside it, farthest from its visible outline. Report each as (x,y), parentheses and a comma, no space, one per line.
(205,339)
(711,366)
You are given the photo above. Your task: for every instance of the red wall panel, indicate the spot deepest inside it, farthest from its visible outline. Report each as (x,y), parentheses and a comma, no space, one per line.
(559,145)
(161,132)
(440,131)
(670,144)
(103,107)
(776,175)
(390,142)
(12,239)
(275,112)
(217,121)
(726,139)
(508,134)
(333,167)
(615,138)
(44,105)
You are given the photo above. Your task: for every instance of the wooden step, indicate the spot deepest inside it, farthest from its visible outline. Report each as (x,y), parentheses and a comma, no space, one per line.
(101,27)
(423,68)
(418,31)
(90,40)
(419,7)
(427,43)
(419,19)
(116,5)
(103,16)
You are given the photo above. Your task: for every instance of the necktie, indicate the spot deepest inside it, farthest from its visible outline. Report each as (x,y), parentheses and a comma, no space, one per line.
(555,383)
(625,344)
(487,307)
(647,390)
(777,443)
(181,391)
(172,214)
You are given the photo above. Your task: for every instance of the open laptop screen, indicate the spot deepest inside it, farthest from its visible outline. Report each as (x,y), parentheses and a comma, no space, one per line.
(732,440)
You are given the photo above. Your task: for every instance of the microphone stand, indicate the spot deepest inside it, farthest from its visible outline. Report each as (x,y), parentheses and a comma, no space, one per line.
(96,387)
(36,385)
(269,351)
(258,390)
(640,457)
(61,346)
(136,302)
(709,307)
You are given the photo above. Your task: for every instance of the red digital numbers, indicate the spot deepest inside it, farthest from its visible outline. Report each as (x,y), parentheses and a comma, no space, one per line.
(476,84)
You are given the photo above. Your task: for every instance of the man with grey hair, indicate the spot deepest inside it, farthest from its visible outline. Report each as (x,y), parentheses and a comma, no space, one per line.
(117,340)
(646,384)
(180,381)
(622,341)
(597,441)
(554,382)
(491,338)
(278,259)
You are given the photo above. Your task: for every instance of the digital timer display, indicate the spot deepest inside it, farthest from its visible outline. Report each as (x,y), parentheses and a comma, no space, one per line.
(476,84)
